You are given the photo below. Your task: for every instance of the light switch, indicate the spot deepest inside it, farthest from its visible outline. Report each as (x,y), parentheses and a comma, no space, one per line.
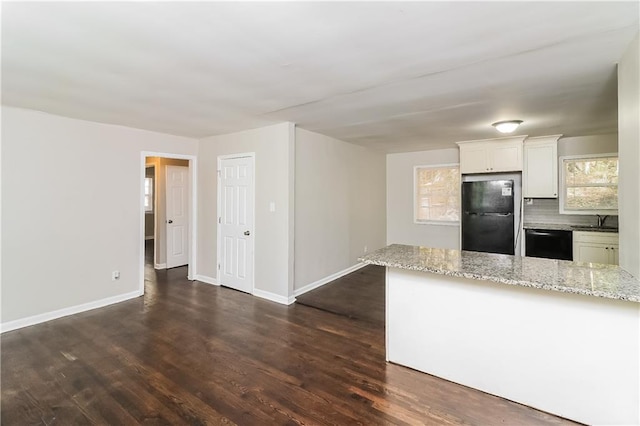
(272,207)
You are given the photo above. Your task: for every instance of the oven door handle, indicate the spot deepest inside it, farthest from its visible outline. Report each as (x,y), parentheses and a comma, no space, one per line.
(542,234)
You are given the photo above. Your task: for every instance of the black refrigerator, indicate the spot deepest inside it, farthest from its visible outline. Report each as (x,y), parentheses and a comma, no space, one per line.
(487,216)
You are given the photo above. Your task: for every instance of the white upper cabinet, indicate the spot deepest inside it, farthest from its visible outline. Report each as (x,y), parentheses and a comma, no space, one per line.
(474,158)
(540,174)
(491,156)
(506,157)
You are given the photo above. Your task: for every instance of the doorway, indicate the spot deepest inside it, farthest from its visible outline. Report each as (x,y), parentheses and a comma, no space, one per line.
(236,213)
(168,227)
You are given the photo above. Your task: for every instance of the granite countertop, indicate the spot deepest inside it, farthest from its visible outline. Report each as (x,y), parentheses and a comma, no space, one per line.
(567,227)
(591,279)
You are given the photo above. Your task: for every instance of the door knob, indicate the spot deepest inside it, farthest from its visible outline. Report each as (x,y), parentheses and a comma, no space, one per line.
(169,221)
(247,233)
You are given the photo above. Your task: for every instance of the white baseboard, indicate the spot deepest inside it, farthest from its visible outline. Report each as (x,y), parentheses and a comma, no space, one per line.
(150,237)
(207,280)
(273,297)
(160,266)
(328,279)
(48,316)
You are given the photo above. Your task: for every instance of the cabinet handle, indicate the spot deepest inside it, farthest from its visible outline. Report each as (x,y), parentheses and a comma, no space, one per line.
(607,248)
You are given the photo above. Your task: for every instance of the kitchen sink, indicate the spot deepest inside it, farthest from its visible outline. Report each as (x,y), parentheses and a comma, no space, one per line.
(594,228)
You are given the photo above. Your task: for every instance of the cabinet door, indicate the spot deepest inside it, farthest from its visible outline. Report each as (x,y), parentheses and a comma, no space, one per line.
(540,179)
(597,247)
(473,158)
(506,157)
(591,252)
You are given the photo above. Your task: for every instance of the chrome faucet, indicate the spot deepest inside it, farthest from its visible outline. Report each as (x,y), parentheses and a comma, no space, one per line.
(601,220)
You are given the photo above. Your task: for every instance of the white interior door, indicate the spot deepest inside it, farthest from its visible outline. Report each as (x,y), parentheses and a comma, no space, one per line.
(235,223)
(177,197)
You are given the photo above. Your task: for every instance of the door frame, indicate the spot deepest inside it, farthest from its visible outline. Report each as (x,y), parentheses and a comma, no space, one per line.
(193,206)
(252,157)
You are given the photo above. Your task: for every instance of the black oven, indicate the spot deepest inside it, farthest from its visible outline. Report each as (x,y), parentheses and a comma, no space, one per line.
(549,243)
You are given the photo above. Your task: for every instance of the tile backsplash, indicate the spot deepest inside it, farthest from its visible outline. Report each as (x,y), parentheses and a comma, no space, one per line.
(547,210)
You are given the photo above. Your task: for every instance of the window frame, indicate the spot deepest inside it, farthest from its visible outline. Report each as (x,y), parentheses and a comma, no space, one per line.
(415,195)
(151,209)
(563,185)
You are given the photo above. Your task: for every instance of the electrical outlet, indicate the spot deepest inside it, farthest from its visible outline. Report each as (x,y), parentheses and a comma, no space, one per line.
(366,249)
(115,275)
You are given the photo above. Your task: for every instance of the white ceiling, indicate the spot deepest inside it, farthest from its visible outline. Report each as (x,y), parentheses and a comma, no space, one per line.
(396,76)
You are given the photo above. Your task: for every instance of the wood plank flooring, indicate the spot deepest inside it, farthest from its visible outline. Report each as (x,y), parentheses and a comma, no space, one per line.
(192,353)
(358,295)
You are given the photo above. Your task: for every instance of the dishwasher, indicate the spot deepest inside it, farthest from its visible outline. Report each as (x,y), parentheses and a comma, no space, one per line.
(549,243)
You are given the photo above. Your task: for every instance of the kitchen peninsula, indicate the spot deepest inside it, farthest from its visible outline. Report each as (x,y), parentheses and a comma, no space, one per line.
(560,336)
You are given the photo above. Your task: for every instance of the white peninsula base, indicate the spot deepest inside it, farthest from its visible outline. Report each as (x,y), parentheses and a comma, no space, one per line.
(571,355)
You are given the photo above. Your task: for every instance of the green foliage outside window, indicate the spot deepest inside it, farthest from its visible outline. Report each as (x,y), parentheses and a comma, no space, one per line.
(591,183)
(437,194)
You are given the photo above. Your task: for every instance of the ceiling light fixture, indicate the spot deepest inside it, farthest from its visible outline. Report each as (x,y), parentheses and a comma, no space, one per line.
(507,126)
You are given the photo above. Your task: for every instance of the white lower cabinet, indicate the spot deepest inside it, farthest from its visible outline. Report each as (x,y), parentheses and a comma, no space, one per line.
(595,247)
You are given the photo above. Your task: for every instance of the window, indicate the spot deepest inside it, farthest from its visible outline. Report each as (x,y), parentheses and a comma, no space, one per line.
(437,194)
(589,184)
(148,195)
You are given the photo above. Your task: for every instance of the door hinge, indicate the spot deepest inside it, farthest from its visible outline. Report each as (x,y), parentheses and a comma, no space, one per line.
(220,220)
(218,266)
(219,172)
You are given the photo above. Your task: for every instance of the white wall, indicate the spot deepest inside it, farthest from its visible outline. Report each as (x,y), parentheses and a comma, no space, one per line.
(401,228)
(596,144)
(273,147)
(60,177)
(339,207)
(629,154)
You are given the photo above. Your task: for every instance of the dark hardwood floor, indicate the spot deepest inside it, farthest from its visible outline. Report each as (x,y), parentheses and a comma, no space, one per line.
(358,295)
(192,353)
